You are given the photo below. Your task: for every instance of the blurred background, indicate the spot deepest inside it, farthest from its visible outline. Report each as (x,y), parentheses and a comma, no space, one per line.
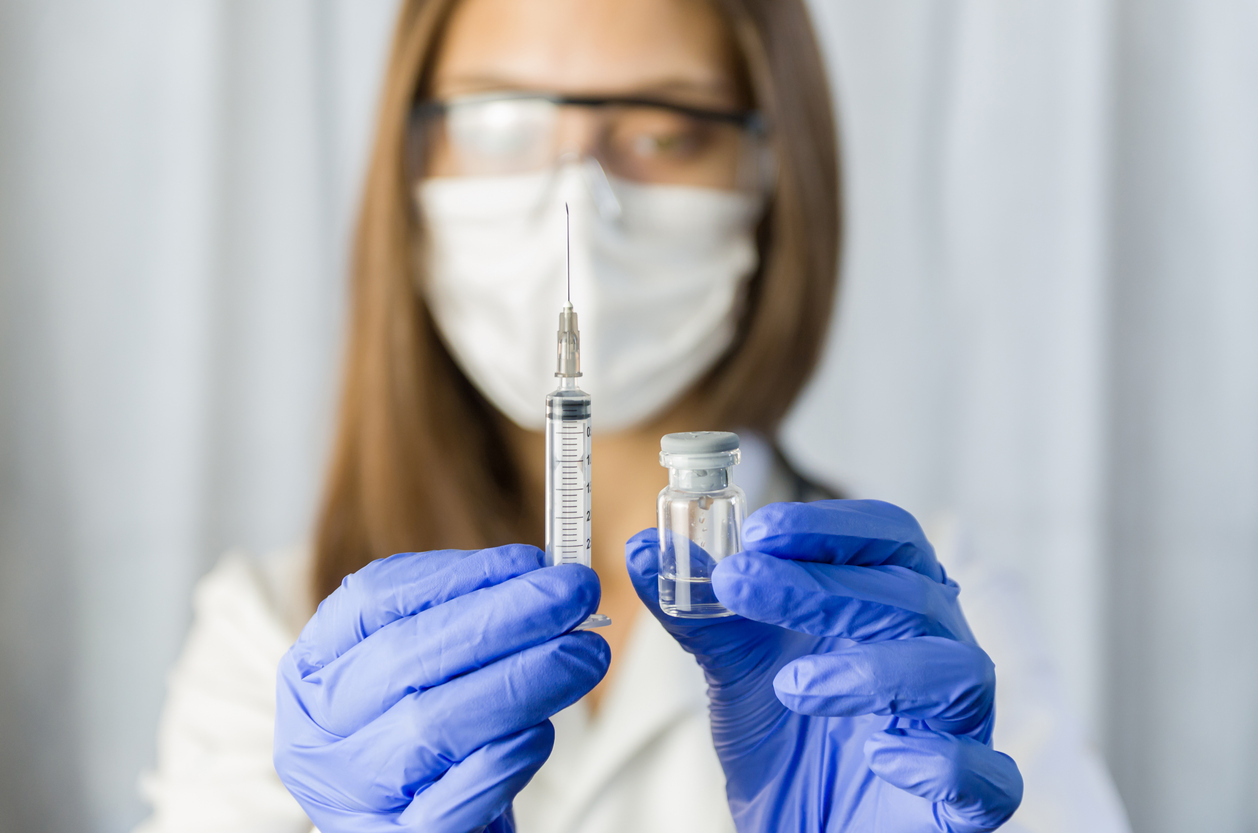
(1048,326)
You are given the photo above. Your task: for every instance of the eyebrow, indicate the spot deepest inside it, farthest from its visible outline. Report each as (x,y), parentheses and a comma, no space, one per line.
(669,86)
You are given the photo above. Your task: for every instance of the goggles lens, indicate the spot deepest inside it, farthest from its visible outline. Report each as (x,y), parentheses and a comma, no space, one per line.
(644,141)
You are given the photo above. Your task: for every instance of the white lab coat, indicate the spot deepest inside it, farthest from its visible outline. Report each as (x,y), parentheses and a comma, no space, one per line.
(643,764)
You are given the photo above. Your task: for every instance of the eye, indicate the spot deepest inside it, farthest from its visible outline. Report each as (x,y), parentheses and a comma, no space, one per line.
(670,144)
(650,134)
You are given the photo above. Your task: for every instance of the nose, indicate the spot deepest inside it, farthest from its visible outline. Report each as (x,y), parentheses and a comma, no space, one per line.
(577,139)
(605,201)
(595,180)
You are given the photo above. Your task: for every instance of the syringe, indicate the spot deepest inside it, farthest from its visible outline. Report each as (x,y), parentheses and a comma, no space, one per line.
(568,452)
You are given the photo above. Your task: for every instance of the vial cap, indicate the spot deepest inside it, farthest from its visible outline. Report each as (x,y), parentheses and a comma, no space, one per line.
(699,450)
(699,442)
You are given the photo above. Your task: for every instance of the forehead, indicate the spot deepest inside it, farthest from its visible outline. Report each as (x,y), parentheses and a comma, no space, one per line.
(585,46)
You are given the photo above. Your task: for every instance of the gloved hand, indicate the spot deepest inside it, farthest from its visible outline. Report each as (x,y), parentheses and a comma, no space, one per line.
(418,696)
(848,694)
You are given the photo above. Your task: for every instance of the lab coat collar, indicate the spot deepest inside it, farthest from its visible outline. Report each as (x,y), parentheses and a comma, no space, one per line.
(657,686)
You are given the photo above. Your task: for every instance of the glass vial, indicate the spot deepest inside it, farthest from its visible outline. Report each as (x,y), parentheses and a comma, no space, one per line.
(700,520)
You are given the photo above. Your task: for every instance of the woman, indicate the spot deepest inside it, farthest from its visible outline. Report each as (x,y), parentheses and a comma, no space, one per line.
(692,142)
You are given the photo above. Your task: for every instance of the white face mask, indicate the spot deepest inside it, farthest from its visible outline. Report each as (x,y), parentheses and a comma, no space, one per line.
(658,277)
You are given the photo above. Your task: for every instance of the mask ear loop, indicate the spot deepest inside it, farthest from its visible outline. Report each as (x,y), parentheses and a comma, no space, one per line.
(766,168)
(764,158)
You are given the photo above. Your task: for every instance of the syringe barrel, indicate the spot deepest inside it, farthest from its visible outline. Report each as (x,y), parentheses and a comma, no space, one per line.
(568,476)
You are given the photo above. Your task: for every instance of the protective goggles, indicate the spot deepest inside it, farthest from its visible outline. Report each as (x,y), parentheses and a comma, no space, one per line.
(638,139)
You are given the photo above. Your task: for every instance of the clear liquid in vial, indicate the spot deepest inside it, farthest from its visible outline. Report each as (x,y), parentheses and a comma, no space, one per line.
(689,598)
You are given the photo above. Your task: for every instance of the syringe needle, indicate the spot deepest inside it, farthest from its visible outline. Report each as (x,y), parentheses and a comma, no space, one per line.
(567,220)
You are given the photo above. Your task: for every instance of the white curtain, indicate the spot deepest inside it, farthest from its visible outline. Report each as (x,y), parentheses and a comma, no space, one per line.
(1049,327)
(177,185)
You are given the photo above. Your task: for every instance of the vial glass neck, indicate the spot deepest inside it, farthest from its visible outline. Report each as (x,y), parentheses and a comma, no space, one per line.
(699,480)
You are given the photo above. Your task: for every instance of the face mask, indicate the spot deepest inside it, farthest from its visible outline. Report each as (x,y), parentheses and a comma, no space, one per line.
(658,277)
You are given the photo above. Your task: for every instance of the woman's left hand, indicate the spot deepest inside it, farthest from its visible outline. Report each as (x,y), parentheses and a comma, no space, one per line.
(849,693)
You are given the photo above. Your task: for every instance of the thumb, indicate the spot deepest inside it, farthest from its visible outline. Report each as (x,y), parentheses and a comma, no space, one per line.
(643,562)
(727,648)
(642,558)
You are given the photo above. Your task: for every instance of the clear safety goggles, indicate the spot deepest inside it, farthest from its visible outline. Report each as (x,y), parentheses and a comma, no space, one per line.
(641,140)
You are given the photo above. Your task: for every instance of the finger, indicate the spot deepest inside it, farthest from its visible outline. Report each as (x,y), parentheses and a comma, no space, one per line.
(479,788)
(642,558)
(863,533)
(425,734)
(975,787)
(435,645)
(401,585)
(949,684)
(862,603)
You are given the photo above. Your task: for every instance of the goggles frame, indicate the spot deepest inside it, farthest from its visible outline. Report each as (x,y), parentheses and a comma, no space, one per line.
(423,110)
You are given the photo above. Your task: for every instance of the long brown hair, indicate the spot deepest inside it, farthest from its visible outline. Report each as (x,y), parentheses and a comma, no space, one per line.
(420,461)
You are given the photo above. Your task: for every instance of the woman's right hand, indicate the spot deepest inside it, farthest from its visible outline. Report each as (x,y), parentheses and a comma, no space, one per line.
(418,696)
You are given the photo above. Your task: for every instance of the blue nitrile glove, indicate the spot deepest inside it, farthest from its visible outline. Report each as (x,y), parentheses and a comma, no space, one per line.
(848,694)
(418,696)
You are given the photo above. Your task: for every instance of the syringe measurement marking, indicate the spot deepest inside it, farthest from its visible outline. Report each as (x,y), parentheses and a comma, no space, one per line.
(570,487)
